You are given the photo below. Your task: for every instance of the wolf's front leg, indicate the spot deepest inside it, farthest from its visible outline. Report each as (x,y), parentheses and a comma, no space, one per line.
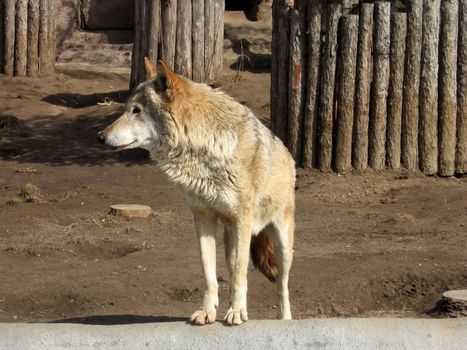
(237,258)
(205,226)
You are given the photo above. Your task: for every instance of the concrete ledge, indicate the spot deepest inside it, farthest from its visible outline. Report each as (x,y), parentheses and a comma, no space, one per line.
(329,334)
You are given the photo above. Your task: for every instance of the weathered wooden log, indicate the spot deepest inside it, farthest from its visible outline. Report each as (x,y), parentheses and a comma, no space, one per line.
(347,66)
(379,89)
(9,36)
(21,37)
(32,69)
(328,72)
(135,57)
(410,103)
(183,56)
(52,37)
(362,89)
(154,26)
(447,87)
(209,41)
(1,37)
(461,147)
(44,45)
(198,40)
(140,49)
(169,25)
(274,91)
(396,81)
(297,70)
(428,138)
(313,63)
(281,11)
(219,9)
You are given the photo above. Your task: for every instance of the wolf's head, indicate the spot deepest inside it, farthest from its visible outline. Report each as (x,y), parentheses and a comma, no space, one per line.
(147,112)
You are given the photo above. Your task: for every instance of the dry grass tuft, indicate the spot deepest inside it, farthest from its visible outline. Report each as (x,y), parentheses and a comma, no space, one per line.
(30,193)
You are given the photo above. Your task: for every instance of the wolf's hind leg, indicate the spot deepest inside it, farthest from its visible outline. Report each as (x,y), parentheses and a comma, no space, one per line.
(283,236)
(205,226)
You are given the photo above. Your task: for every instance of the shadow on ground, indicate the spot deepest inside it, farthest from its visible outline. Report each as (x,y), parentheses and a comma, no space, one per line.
(66,140)
(80,100)
(120,319)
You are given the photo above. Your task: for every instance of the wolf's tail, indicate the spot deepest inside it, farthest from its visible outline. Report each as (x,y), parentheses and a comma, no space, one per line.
(263,255)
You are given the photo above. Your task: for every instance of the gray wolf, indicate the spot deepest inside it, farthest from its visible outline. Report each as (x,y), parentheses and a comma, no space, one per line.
(230,167)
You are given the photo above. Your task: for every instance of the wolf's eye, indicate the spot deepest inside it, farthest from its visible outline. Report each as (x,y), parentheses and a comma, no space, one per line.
(135,110)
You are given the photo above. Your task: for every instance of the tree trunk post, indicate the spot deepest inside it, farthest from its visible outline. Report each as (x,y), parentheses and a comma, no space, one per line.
(198,40)
(9,38)
(183,57)
(313,64)
(461,147)
(396,80)
(379,91)
(328,70)
(347,66)
(297,70)
(447,87)
(362,89)
(428,139)
(410,113)
(33,39)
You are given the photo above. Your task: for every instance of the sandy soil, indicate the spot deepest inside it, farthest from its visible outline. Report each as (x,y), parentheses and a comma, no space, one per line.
(366,244)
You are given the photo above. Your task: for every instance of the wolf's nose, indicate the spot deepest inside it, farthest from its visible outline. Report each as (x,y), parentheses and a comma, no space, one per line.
(100,137)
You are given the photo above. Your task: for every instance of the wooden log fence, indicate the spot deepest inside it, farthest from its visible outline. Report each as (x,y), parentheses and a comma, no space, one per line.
(371,85)
(27,37)
(187,34)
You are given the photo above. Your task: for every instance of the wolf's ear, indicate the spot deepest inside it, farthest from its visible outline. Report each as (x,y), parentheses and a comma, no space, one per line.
(167,80)
(151,68)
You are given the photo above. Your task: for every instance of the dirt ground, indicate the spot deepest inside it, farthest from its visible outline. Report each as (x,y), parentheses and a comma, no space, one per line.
(372,244)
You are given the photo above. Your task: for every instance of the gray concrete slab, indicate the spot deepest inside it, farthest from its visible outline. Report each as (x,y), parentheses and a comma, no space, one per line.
(329,334)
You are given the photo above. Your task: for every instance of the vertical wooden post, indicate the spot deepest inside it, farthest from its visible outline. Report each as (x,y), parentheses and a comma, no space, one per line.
(347,66)
(447,87)
(44,44)
(33,39)
(428,139)
(135,59)
(2,33)
(328,70)
(378,106)
(169,25)
(183,58)
(313,64)
(461,147)
(154,26)
(21,38)
(362,89)
(274,91)
(52,38)
(219,8)
(209,42)
(281,12)
(9,38)
(198,40)
(396,80)
(410,114)
(297,69)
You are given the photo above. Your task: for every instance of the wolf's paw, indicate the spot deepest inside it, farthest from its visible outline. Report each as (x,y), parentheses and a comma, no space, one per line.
(201,317)
(236,317)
